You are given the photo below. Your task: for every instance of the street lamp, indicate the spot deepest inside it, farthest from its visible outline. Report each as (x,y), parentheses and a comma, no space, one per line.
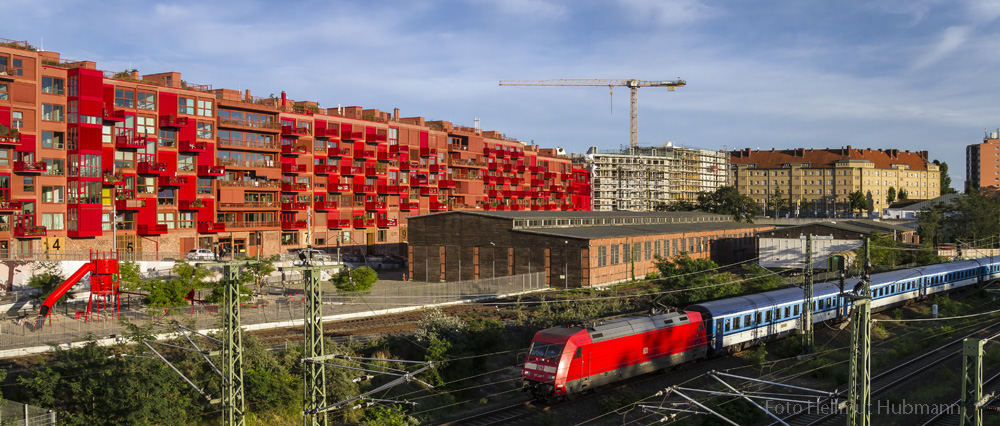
(566,265)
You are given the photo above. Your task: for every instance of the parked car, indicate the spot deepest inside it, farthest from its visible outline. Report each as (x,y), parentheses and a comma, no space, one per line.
(317,255)
(201,254)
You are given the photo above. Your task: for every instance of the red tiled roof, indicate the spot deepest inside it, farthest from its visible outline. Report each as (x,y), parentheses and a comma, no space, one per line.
(820,158)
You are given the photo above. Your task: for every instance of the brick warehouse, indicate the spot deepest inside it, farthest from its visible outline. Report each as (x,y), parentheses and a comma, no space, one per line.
(575,249)
(181,165)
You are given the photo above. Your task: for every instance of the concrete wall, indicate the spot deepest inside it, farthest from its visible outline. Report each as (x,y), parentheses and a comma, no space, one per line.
(791,252)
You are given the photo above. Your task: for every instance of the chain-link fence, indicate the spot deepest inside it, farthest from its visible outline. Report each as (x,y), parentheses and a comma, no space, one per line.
(69,323)
(18,414)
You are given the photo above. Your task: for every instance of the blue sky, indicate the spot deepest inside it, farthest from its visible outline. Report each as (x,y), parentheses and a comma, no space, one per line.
(904,74)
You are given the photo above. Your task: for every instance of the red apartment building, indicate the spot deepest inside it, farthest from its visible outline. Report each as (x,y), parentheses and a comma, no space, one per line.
(982,170)
(174,166)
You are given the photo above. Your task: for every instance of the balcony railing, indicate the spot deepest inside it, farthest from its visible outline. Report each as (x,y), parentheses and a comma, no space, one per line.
(253,144)
(294,131)
(109,178)
(150,167)
(172,180)
(291,149)
(11,206)
(363,222)
(293,168)
(294,224)
(375,205)
(193,146)
(447,183)
(385,223)
(207,170)
(9,136)
(114,115)
(324,169)
(428,191)
(438,206)
(409,205)
(363,188)
(349,170)
(334,223)
(30,167)
(293,187)
(293,206)
(29,231)
(190,204)
(428,152)
(173,121)
(157,229)
(327,133)
(324,205)
(341,188)
(208,227)
(257,124)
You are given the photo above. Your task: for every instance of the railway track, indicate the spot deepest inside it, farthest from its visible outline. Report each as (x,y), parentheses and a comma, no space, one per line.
(951,416)
(508,415)
(892,380)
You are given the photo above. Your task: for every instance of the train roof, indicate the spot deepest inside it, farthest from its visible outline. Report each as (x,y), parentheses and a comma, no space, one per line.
(622,327)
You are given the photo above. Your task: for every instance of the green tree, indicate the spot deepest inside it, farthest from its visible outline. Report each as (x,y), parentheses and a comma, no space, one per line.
(47,277)
(676,206)
(168,293)
(945,178)
(130,277)
(776,201)
(903,194)
(728,200)
(355,280)
(890,196)
(858,201)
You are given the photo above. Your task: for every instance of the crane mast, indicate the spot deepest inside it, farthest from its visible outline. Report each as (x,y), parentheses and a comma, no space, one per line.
(632,84)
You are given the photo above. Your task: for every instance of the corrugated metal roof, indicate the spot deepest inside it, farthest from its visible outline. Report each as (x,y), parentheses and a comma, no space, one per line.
(618,231)
(825,158)
(632,325)
(574,214)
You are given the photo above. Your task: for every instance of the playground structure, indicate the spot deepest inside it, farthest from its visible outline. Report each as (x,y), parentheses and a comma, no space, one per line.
(104,283)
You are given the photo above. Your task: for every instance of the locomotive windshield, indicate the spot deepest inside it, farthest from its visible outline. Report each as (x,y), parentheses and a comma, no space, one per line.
(546,350)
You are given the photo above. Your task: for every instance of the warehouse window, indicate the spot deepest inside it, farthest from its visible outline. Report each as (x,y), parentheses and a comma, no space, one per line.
(614,254)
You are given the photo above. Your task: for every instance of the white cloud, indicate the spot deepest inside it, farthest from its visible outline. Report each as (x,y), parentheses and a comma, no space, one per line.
(669,12)
(950,40)
(531,8)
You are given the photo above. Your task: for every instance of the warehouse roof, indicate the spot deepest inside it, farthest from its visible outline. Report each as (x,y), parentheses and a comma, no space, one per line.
(620,231)
(577,214)
(859,226)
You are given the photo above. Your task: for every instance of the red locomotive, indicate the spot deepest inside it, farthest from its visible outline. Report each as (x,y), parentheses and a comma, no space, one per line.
(568,360)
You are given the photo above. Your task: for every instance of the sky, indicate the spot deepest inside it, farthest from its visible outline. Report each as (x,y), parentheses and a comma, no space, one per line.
(906,74)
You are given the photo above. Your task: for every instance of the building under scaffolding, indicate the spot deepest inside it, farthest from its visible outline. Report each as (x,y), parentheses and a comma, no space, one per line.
(638,179)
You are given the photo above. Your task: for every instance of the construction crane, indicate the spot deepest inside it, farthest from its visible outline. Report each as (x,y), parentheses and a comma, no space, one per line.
(632,84)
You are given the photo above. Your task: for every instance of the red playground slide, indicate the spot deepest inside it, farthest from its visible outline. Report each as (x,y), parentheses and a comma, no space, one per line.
(64,287)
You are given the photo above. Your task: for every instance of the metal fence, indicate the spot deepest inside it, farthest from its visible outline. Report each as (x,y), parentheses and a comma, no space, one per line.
(17,414)
(68,323)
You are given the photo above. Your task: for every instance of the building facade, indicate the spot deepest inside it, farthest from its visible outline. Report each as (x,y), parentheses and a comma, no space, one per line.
(638,179)
(982,162)
(572,249)
(817,182)
(153,164)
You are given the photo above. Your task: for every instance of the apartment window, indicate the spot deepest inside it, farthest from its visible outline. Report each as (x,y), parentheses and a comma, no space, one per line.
(4,157)
(165,219)
(17,119)
(145,125)
(289,238)
(28,184)
(204,186)
(166,196)
(167,138)
(204,108)
(52,140)
(381,236)
(186,162)
(204,130)
(18,66)
(145,185)
(185,106)
(53,221)
(53,194)
(124,160)
(146,100)
(52,112)
(54,166)
(4,92)
(73,86)
(185,220)
(124,98)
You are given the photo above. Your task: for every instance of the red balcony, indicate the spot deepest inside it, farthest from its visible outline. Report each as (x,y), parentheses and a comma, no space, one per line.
(206,170)
(387,189)
(438,206)
(409,205)
(338,188)
(294,131)
(514,181)
(190,204)
(385,223)
(29,231)
(447,183)
(293,168)
(294,224)
(349,170)
(10,136)
(334,223)
(376,137)
(537,182)
(375,206)
(324,205)
(555,188)
(405,165)
(362,188)
(114,115)
(345,152)
(437,168)
(354,136)
(128,140)
(550,175)
(324,169)
(10,206)
(173,122)
(537,169)
(150,168)
(418,181)
(327,133)
(112,179)
(492,166)
(172,180)
(371,171)
(208,227)
(394,149)
(382,156)
(193,146)
(493,193)
(293,187)
(293,206)
(428,191)
(428,152)
(155,229)
(363,222)
(500,180)
(30,167)
(292,149)
(508,167)
(364,153)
